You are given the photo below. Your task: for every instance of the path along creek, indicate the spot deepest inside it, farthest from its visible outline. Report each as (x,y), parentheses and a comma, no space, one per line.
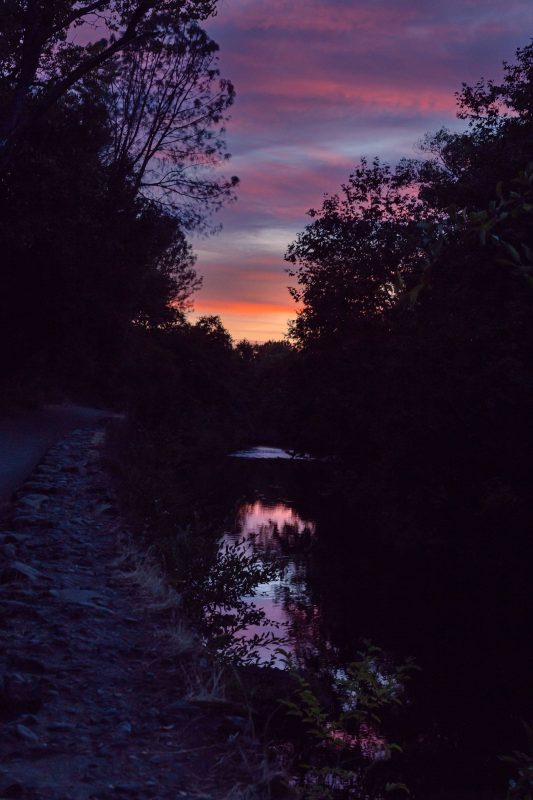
(102,692)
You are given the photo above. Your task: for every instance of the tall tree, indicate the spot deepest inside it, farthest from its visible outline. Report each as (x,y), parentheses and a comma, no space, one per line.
(38,63)
(465,167)
(353,258)
(167,104)
(81,267)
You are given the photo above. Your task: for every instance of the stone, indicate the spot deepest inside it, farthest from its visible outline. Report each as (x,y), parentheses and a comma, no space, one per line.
(27,734)
(33,501)
(20,694)
(18,571)
(61,726)
(9,551)
(81,597)
(124,729)
(128,788)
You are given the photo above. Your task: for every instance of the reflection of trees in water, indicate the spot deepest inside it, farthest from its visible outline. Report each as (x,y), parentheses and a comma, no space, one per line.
(280,542)
(274,523)
(277,532)
(305,630)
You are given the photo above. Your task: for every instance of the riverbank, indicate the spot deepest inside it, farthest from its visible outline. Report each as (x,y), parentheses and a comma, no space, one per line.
(103,690)
(348,578)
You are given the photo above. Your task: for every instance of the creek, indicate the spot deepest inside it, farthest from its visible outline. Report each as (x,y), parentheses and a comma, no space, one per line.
(343,580)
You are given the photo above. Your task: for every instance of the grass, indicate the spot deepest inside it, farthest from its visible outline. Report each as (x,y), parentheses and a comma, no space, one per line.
(148,576)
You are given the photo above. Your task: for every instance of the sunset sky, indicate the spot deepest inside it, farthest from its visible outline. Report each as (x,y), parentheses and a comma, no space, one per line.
(319,84)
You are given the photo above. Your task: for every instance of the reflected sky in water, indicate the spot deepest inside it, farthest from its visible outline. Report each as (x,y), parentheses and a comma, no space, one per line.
(270,453)
(274,523)
(346,578)
(276,531)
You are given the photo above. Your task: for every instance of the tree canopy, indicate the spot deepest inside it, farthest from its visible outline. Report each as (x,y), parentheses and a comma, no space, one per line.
(355,256)
(108,154)
(39,63)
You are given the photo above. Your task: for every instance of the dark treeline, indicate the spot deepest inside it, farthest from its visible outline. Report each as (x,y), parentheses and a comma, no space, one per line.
(414,340)
(416,292)
(110,156)
(410,358)
(106,165)
(413,370)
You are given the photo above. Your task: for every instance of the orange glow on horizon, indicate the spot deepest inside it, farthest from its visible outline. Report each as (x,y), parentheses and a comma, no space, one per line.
(256,321)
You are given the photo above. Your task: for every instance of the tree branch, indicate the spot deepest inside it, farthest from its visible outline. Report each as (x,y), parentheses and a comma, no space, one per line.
(129,37)
(75,16)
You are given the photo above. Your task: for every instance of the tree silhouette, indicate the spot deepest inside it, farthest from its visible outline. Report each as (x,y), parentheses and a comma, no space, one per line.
(38,63)
(166,105)
(349,260)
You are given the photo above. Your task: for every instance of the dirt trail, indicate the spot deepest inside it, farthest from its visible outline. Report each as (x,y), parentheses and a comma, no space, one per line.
(96,701)
(26,435)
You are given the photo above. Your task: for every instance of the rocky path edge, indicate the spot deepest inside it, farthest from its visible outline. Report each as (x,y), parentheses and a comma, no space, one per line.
(103,693)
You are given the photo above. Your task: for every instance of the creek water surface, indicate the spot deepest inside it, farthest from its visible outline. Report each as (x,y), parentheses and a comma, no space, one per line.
(343,580)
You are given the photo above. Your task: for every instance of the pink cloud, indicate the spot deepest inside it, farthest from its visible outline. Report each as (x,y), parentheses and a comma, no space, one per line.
(297,92)
(283,15)
(238,284)
(243,308)
(337,16)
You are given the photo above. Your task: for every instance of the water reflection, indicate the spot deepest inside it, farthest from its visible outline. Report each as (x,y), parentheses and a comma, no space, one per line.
(274,524)
(277,532)
(350,574)
(262,452)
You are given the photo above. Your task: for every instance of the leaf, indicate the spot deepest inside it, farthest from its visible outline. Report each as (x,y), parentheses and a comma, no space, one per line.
(397,787)
(394,746)
(513,252)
